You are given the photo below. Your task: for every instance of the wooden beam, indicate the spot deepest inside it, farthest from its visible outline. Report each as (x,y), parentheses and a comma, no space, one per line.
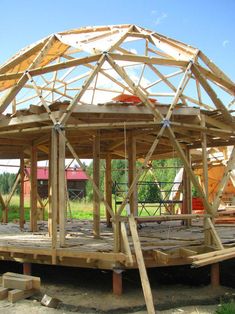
(194,180)
(141,265)
(108,187)
(187,189)
(79,95)
(142,169)
(54,187)
(81,165)
(215,238)
(61,188)
(4,210)
(22,177)
(180,89)
(214,67)
(5,101)
(207,234)
(136,90)
(125,243)
(96,178)
(211,93)
(131,149)
(148,60)
(33,189)
(224,181)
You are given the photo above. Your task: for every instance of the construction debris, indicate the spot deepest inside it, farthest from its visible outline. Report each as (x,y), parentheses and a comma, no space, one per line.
(17,286)
(50,301)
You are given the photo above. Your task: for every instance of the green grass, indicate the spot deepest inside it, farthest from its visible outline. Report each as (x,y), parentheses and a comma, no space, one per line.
(226,308)
(79,209)
(76,210)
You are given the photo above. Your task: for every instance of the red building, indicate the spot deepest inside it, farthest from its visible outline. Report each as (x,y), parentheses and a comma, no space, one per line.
(76,182)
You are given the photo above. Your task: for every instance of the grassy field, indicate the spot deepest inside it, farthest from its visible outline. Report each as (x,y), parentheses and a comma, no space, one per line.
(76,209)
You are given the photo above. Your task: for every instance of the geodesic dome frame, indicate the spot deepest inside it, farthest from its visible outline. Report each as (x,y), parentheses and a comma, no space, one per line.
(94,65)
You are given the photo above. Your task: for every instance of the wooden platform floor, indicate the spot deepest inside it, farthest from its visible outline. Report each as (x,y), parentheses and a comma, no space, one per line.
(83,250)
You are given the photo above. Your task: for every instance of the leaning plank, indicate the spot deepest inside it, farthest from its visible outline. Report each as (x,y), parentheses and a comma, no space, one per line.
(214,234)
(3,293)
(15,295)
(36,281)
(126,244)
(142,269)
(17,283)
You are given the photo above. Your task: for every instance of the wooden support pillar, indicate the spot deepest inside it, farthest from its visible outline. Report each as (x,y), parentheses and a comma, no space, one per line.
(22,176)
(61,188)
(207,234)
(49,222)
(33,191)
(131,148)
(215,275)
(187,190)
(27,269)
(54,187)
(96,179)
(4,210)
(108,187)
(117,282)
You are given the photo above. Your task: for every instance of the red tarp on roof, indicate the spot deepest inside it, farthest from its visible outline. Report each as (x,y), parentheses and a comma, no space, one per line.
(131,99)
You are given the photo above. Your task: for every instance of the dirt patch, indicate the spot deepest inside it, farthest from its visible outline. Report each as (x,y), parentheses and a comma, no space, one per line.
(90,291)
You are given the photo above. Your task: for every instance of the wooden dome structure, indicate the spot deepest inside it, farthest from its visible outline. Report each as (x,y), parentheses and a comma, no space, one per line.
(75,93)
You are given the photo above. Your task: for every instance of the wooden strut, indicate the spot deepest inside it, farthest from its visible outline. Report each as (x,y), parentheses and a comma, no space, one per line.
(96,179)
(23,79)
(224,181)
(141,265)
(33,190)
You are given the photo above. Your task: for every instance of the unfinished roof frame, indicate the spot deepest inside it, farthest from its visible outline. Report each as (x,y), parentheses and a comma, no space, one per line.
(159,126)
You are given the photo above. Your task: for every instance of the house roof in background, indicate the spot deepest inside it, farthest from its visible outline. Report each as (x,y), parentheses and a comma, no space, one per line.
(71,173)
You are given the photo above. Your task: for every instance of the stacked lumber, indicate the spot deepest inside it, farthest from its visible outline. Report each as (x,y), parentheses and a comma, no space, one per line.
(212,257)
(17,286)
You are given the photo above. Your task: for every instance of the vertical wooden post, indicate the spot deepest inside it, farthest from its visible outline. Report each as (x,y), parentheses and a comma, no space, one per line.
(187,190)
(108,187)
(22,176)
(54,183)
(189,185)
(215,275)
(117,282)
(33,191)
(27,269)
(61,188)
(207,234)
(132,172)
(96,179)
(49,194)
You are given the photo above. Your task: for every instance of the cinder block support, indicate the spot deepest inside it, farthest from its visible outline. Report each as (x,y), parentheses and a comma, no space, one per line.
(215,275)
(117,282)
(27,269)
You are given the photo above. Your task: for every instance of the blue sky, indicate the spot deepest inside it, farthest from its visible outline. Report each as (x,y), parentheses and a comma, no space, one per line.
(206,24)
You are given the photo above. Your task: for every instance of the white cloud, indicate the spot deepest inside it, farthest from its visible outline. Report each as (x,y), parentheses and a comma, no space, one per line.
(160,18)
(225,43)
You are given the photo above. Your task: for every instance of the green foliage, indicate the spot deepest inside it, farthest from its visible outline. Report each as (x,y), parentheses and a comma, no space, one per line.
(163,171)
(226,308)
(6,182)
